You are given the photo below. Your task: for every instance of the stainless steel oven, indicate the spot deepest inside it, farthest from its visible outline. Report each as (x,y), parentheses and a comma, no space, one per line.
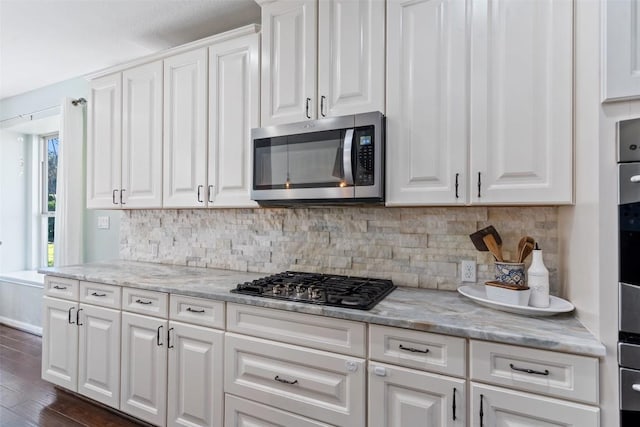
(332,160)
(629,270)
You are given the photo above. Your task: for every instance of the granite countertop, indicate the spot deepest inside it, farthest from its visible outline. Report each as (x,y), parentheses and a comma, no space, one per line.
(427,310)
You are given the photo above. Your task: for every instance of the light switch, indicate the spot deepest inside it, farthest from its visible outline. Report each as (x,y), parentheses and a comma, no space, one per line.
(103,222)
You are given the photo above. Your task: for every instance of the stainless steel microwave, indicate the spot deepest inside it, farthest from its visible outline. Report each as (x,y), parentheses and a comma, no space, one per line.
(334,160)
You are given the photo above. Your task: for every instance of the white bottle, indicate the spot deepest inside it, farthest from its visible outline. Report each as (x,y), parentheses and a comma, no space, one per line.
(538,279)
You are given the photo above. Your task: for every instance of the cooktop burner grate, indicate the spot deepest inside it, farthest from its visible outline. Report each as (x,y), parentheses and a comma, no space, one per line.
(322,289)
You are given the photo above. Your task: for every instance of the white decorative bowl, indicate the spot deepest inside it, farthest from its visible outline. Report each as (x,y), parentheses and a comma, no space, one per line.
(507,295)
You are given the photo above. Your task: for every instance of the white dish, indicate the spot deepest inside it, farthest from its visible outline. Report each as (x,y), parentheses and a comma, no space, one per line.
(478,294)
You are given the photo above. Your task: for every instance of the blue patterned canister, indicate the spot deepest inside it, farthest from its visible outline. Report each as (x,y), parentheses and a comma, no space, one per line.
(510,272)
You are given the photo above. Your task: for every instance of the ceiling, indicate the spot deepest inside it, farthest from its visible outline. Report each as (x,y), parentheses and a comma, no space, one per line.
(47,41)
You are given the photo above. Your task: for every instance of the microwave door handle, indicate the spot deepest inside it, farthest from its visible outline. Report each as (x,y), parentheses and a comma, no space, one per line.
(346,157)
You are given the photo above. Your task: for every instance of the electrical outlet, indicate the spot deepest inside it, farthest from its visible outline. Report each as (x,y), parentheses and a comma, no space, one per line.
(103,222)
(468,271)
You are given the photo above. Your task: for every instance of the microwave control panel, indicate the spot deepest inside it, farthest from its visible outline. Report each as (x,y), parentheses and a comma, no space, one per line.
(365,153)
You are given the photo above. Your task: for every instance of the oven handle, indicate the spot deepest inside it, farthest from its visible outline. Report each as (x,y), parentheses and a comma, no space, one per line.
(635,387)
(635,178)
(346,157)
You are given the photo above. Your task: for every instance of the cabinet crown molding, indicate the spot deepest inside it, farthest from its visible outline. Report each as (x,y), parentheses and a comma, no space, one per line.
(207,41)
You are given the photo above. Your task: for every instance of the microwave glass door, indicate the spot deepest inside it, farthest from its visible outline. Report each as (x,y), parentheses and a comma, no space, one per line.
(311,160)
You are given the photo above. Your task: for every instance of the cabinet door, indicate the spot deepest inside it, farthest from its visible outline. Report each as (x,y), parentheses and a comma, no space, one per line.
(195,389)
(289,35)
(104,129)
(406,397)
(234,81)
(142,136)
(351,57)
(143,379)
(99,354)
(427,102)
(621,73)
(60,343)
(521,101)
(504,407)
(185,130)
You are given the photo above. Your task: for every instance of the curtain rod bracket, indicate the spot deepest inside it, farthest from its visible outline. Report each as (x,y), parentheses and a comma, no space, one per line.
(79,101)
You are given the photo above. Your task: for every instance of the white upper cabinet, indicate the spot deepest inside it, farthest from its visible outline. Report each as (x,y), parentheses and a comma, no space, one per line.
(289,54)
(521,101)
(351,41)
(344,76)
(487,121)
(427,94)
(185,130)
(142,136)
(621,71)
(234,93)
(104,133)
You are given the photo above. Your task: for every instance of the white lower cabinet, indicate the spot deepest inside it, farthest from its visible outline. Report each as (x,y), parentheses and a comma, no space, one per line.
(195,395)
(245,413)
(99,354)
(497,406)
(60,343)
(401,397)
(317,384)
(143,379)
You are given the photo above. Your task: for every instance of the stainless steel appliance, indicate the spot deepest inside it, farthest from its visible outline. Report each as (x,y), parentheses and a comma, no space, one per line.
(322,289)
(333,160)
(629,271)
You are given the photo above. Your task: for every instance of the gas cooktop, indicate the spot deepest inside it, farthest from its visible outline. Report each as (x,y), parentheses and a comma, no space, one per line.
(323,289)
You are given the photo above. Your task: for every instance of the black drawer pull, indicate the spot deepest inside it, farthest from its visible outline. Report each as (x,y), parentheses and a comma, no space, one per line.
(158,343)
(453,407)
(59,287)
(69,319)
(139,301)
(281,380)
(413,350)
(528,371)
(95,294)
(78,317)
(195,311)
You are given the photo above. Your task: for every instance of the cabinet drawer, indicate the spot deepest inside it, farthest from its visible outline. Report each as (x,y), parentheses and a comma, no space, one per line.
(548,372)
(324,333)
(313,383)
(420,350)
(246,413)
(59,287)
(145,302)
(199,311)
(99,294)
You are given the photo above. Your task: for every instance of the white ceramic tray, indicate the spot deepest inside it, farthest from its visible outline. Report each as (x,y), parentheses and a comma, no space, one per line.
(478,294)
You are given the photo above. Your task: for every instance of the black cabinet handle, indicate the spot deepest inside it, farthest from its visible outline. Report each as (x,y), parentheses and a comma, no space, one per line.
(209,193)
(169,338)
(195,311)
(113,197)
(528,371)
(122,190)
(199,191)
(322,98)
(457,185)
(95,294)
(481,411)
(59,287)
(307,108)
(78,317)
(454,404)
(413,350)
(139,301)
(158,337)
(70,322)
(479,184)
(282,380)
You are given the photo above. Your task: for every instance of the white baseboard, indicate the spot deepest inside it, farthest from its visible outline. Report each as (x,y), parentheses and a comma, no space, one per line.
(32,329)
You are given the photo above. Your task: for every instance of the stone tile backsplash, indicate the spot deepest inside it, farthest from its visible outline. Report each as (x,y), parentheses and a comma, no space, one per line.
(417,247)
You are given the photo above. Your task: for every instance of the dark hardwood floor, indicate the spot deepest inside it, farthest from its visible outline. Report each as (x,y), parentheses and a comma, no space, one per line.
(26,400)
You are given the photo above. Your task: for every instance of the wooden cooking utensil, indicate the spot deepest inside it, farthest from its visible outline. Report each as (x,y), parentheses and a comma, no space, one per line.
(525,246)
(477,238)
(493,247)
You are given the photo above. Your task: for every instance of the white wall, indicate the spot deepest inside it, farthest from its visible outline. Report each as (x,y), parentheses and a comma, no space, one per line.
(14,203)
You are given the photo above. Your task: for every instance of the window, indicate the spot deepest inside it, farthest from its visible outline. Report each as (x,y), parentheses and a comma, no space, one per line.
(50,149)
